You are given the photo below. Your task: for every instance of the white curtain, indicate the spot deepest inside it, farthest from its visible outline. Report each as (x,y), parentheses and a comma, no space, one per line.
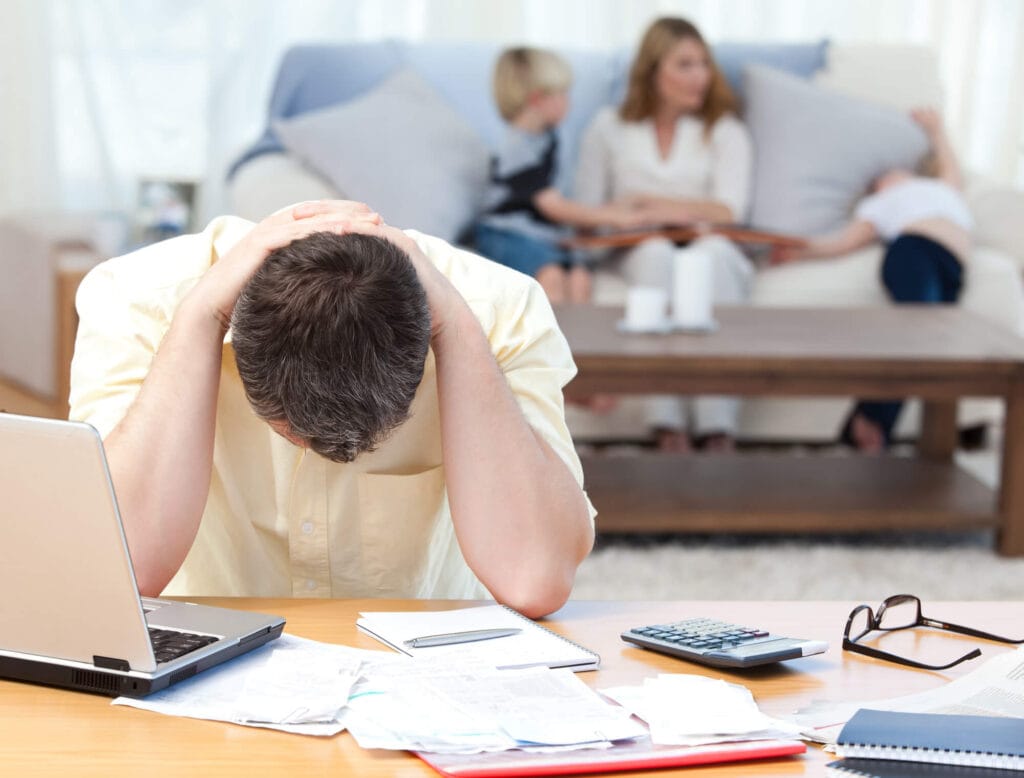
(28,173)
(96,95)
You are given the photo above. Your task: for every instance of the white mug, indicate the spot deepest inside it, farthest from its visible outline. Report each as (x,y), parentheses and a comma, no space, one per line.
(645,308)
(692,286)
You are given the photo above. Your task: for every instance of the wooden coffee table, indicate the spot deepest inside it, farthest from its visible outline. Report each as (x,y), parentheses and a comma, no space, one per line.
(937,353)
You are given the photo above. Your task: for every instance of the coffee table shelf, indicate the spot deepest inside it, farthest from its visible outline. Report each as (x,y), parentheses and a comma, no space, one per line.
(776,493)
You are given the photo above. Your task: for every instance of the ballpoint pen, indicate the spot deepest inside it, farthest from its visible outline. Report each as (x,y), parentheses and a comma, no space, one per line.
(469,636)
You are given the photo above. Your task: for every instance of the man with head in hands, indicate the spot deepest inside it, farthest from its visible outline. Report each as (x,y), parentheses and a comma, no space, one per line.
(323,405)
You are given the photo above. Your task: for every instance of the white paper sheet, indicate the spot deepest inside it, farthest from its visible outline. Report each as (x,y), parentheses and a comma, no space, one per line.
(436,705)
(695,710)
(996,688)
(291,684)
(534,646)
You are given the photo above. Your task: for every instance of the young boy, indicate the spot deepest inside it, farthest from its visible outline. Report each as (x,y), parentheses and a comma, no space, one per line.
(926,225)
(525,216)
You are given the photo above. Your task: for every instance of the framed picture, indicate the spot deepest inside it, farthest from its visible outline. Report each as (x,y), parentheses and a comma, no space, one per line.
(165,208)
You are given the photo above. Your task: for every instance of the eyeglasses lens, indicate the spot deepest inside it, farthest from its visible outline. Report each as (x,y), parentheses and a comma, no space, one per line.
(899,613)
(860,624)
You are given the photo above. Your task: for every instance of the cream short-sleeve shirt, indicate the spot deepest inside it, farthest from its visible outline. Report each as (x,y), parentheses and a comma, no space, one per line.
(282,521)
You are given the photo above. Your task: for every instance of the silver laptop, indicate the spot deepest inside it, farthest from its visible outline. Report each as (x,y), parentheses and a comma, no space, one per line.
(70,611)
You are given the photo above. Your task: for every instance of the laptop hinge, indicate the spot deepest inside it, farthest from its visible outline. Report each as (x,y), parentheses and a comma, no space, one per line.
(109,663)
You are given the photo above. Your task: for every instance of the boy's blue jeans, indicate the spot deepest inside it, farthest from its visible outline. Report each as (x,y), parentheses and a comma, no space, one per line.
(916,269)
(517,251)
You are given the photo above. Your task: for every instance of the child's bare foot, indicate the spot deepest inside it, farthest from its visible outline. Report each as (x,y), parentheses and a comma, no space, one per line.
(719,443)
(674,442)
(597,403)
(602,403)
(867,436)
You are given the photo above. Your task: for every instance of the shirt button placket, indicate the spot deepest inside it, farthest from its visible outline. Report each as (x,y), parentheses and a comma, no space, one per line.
(307,533)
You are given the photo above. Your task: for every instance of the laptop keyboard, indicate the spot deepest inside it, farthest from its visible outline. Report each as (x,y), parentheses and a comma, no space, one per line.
(169,644)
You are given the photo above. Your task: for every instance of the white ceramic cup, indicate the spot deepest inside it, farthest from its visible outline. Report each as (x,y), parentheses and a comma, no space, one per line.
(646,308)
(692,286)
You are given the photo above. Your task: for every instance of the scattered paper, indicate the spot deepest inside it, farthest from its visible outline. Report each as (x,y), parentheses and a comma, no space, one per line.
(291,684)
(438,706)
(695,710)
(996,688)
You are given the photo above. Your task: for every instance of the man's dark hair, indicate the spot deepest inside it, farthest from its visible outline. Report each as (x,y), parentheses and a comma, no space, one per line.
(330,336)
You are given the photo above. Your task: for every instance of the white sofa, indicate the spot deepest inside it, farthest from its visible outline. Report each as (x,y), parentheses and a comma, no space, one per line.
(899,76)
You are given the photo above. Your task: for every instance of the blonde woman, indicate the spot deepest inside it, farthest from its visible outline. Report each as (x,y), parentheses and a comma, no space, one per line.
(676,150)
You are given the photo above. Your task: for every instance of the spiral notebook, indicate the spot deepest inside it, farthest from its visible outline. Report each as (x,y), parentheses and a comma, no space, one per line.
(885,768)
(937,738)
(532,646)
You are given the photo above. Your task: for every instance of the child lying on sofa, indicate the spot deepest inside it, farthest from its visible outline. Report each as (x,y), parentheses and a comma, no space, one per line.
(525,216)
(926,225)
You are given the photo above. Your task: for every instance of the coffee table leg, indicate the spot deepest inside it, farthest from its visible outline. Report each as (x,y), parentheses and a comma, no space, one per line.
(1011,483)
(938,430)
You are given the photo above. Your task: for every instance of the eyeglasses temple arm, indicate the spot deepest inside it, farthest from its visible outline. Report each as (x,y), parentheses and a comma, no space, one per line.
(976,633)
(849,645)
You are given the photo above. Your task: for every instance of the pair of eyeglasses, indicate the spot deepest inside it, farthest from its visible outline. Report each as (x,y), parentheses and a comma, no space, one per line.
(903,611)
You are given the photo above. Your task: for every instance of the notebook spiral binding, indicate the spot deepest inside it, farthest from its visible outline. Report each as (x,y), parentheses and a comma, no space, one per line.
(933,756)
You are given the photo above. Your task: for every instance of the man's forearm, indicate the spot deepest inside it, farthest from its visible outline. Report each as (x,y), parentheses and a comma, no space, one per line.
(161,453)
(520,517)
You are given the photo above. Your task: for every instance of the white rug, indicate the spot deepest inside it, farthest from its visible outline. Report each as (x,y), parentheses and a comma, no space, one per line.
(868,568)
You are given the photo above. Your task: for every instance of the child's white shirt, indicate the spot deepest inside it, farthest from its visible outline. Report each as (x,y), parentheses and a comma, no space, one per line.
(892,209)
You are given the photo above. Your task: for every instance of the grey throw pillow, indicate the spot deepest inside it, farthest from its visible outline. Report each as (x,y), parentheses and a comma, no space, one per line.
(816,151)
(401,149)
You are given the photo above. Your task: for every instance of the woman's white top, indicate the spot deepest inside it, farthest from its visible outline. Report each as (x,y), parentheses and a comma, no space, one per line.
(892,209)
(620,158)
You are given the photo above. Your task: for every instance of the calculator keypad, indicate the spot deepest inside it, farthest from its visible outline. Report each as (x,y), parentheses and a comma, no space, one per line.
(702,634)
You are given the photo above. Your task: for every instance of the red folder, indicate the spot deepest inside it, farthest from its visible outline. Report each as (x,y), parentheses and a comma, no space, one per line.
(639,754)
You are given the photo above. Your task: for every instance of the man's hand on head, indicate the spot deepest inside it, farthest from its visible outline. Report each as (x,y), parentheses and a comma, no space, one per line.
(219,288)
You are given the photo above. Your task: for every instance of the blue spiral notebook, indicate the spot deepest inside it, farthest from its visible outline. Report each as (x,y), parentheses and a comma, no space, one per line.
(937,738)
(887,768)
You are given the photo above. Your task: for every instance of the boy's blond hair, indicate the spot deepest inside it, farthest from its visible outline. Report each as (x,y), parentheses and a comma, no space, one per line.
(524,71)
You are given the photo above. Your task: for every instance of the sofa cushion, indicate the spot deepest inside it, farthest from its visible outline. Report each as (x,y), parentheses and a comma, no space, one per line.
(816,151)
(317,76)
(400,148)
(272,181)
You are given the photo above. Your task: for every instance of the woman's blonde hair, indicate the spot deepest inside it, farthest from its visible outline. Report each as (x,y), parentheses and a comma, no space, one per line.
(642,97)
(524,71)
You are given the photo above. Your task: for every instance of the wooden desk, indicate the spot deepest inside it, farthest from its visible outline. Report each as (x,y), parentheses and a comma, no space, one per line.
(937,353)
(51,732)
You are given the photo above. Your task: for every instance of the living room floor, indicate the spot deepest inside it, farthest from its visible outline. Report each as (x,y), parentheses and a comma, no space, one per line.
(864,566)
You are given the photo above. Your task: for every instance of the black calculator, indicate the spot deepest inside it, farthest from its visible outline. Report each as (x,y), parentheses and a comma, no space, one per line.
(720,644)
